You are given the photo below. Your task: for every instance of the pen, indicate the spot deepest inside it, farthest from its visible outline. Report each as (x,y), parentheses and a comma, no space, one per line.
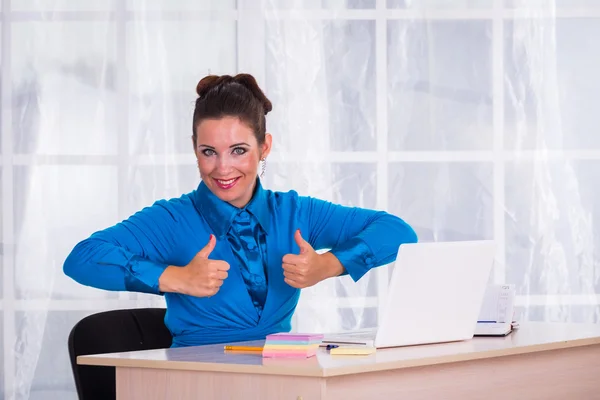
(243,348)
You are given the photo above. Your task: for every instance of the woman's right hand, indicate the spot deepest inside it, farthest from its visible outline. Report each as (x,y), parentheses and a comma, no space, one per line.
(200,278)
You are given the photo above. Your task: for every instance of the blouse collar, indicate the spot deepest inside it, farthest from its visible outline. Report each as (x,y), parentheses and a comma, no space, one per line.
(220,214)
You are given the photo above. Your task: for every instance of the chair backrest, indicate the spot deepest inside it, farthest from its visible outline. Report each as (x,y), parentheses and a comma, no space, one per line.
(112,332)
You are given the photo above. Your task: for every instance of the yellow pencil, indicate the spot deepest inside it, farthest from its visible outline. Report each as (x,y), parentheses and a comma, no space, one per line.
(243,348)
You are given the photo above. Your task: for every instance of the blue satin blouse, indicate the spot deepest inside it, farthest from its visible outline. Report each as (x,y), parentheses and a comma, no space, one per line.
(248,245)
(254,300)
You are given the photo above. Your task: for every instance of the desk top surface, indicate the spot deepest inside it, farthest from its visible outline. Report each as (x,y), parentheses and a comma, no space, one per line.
(530,337)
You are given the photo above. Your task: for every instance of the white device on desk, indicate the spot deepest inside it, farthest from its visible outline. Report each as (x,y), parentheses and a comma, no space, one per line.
(497,311)
(434,296)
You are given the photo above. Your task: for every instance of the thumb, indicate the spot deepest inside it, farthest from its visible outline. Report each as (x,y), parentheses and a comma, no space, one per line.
(303,244)
(210,246)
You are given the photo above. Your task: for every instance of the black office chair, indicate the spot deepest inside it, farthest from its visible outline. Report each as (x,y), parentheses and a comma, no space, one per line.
(112,332)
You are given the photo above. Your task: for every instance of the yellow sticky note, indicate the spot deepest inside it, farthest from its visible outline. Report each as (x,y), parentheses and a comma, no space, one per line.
(352,350)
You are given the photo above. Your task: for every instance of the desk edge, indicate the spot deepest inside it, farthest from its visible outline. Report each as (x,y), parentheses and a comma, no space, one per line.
(108,361)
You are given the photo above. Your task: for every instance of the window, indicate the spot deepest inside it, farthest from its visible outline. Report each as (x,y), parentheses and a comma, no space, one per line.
(469,118)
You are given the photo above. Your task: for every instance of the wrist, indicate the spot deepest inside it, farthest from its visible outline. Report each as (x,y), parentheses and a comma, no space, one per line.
(170,280)
(331,265)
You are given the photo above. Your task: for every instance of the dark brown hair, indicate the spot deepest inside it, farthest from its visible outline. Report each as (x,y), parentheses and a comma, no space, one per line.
(232,96)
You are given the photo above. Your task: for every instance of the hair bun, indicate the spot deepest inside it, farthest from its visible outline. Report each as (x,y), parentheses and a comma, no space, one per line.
(250,83)
(209,82)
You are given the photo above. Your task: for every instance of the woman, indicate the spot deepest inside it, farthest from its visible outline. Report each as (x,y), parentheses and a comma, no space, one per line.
(231,256)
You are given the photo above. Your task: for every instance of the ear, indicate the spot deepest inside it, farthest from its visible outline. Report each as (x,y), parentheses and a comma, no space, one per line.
(266,146)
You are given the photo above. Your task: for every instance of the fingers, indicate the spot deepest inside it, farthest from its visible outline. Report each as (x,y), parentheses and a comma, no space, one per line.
(222,275)
(293,259)
(207,276)
(217,283)
(294,284)
(217,276)
(294,277)
(221,265)
(213,285)
(293,268)
(205,252)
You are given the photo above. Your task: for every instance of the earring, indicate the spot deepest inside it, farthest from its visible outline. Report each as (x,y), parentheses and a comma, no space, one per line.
(263,167)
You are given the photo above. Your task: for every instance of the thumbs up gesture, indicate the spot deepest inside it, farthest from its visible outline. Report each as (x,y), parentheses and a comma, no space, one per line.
(305,269)
(205,276)
(201,277)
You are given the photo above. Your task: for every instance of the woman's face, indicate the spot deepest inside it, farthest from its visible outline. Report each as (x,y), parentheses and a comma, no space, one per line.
(228,157)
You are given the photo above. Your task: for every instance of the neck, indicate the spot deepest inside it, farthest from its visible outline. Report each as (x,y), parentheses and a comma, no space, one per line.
(243,202)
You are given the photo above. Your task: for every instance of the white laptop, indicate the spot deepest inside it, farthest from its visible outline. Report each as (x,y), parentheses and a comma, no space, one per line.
(435,295)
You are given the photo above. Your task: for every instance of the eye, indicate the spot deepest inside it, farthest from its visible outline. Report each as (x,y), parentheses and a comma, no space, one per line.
(239,151)
(208,152)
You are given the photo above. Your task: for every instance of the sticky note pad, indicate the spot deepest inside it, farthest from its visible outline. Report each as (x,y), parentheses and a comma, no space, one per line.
(352,350)
(288,354)
(295,337)
(287,345)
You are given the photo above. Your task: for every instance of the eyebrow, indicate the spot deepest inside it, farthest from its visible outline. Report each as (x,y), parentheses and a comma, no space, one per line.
(233,145)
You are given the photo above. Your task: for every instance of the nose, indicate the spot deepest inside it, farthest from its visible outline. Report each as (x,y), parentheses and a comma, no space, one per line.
(223,165)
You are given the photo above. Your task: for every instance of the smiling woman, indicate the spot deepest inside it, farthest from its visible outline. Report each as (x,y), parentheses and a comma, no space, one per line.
(231,257)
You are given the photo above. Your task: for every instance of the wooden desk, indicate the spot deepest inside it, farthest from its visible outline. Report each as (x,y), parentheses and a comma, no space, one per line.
(538,361)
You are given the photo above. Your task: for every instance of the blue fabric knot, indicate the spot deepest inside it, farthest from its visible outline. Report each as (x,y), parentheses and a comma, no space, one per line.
(248,244)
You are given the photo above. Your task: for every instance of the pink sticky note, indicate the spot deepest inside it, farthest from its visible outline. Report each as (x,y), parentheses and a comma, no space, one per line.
(295,336)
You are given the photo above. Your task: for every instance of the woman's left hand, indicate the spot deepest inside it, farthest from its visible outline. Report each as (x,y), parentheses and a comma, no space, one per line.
(308,268)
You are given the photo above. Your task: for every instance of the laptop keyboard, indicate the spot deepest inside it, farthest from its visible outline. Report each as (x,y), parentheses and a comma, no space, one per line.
(369,334)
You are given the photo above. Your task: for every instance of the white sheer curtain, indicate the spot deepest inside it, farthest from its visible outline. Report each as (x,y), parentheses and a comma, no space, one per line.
(299,90)
(468,118)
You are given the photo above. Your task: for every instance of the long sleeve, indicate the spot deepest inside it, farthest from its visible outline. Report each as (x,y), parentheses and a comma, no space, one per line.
(361,239)
(127,256)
